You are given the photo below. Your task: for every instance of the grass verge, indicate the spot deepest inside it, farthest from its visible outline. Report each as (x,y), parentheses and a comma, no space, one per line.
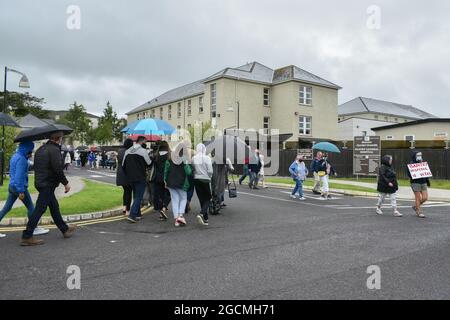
(4,189)
(93,198)
(310,182)
(435,183)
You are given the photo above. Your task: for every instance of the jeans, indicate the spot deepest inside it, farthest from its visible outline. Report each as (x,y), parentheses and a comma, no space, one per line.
(179,200)
(298,188)
(161,196)
(203,191)
(382,196)
(127,197)
(46,199)
(138,194)
(253,179)
(12,197)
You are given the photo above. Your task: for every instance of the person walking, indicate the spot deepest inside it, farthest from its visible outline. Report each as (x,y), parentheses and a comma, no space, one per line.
(419,186)
(254,167)
(77,158)
(104,160)
(98,160)
(315,170)
(245,172)
(135,163)
(49,173)
(176,178)
(18,183)
(387,185)
(161,195)
(121,178)
(203,171)
(298,172)
(91,160)
(67,161)
(261,177)
(325,169)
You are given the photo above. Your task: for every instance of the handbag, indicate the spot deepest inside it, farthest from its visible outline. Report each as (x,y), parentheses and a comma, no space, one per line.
(232,190)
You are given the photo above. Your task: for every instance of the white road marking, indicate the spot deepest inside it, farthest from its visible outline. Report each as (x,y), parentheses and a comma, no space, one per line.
(388,206)
(103,174)
(95,176)
(311,197)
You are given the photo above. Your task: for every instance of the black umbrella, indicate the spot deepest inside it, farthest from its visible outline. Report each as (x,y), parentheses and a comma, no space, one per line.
(82,148)
(7,121)
(41,133)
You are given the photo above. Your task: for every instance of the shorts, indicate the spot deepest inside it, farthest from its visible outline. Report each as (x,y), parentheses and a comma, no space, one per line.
(419,187)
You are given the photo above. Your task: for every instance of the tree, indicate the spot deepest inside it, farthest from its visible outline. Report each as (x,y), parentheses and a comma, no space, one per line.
(197,132)
(109,126)
(21,104)
(76,119)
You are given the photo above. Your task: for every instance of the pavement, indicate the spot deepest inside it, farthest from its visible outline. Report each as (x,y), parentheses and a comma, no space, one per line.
(76,185)
(263,245)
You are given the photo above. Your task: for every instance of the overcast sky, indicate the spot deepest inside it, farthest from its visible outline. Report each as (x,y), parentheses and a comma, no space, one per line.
(128,52)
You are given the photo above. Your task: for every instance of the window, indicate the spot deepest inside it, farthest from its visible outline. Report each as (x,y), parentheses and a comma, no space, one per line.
(304,125)
(266,124)
(138,116)
(389,137)
(189,111)
(410,137)
(189,126)
(440,134)
(386,118)
(306,95)
(161,113)
(376,117)
(213,100)
(266,97)
(200,104)
(153,113)
(405,120)
(179,110)
(396,119)
(169,113)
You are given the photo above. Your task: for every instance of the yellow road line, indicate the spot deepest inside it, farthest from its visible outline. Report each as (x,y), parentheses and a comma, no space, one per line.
(78,223)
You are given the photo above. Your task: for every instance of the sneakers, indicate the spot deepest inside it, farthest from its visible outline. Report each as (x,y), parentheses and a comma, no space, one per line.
(322,198)
(181,221)
(397,214)
(293,196)
(201,220)
(379,211)
(40,231)
(69,232)
(2,235)
(132,220)
(302,198)
(31,242)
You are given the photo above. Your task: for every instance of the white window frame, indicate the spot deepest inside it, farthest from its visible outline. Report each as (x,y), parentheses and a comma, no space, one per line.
(390,137)
(213,90)
(305,97)
(138,116)
(200,104)
(161,113)
(266,97)
(441,134)
(153,113)
(305,125)
(189,108)
(169,112)
(266,125)
(410,135)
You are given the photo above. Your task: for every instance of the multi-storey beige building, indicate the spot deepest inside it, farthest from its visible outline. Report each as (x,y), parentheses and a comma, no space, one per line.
(252,96)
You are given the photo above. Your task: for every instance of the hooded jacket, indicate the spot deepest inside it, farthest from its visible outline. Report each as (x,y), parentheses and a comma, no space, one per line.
(203,169)
(18,167)
(135,163)
(387,175)
(121,178)
(298,170)
(420,180)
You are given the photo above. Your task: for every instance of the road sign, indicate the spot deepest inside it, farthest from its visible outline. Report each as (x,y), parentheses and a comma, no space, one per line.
(366,155)
(306,153)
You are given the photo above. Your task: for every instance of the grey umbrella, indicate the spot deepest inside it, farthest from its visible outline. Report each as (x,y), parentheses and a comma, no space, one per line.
(7,121)
(41,133)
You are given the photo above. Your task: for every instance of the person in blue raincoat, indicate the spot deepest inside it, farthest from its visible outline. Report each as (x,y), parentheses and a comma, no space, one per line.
(18,183)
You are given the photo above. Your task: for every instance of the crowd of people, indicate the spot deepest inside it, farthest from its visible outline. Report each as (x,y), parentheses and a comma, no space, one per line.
(151,176)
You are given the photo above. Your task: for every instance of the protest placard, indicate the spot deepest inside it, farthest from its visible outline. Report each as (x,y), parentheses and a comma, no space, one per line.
(419,170)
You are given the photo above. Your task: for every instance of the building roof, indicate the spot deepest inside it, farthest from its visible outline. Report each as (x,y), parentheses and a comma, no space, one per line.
(366,105)
(412,123)
(61,113)
(254,71)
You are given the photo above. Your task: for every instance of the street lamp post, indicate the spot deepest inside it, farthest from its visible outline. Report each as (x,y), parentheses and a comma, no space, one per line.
(23,83)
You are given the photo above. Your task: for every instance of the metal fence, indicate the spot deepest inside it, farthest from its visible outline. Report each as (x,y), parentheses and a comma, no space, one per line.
(438,160)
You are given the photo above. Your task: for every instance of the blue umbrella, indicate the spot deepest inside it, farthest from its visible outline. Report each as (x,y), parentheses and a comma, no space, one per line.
(149,126)
(327,147)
